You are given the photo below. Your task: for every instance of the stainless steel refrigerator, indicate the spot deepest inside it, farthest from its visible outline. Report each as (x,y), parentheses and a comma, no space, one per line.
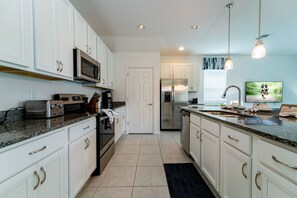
(174,93)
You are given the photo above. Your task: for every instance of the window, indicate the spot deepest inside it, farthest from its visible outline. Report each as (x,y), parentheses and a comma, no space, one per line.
(214,86)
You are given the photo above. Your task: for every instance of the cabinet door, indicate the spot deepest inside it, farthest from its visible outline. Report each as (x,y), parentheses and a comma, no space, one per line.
(16,35)
(90,154)
(92,37)
(117,126)
(21,185)
(166,71)
(76,166)
(46,57)
(235,173)
(178,71)
(195,143)
(189,76)
(63,21)
(102,57)
(53,175)
(110,69)
(210,158)
(269,184)
(80,32)
(123,121)
(195,77)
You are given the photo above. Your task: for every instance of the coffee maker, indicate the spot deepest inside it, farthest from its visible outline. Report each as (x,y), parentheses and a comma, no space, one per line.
(107,101)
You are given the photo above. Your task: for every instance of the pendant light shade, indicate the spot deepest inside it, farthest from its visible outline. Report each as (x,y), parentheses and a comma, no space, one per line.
(229,63)
(259,49)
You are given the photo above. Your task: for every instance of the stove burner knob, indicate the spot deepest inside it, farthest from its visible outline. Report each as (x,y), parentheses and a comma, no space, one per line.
(53,106)
(60,106)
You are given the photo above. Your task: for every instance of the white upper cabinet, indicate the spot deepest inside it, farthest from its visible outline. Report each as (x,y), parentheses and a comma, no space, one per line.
(53,36)
(92,37)
(166,71)
(80,32)
(110,69)
(84,36)
(16,35)
(192,74)
(178,71)
(102,57)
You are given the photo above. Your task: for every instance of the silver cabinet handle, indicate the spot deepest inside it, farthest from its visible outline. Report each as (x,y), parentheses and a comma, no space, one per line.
(62,66)
(231,138)
(87,48)
(242,169)
(90,51)
(38,180)
(59,65)
(123,117)
(200,137)
(86,127)
(118,120)
(197,134)
(111,84)
(103,82)
(37,151)
(87,144)
(150,104)
(287,165)
(256,179)
(44,175)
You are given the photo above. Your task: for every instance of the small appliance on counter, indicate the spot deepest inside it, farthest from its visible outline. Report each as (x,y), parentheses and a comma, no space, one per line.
(44,108)
(107,102)
(74,103)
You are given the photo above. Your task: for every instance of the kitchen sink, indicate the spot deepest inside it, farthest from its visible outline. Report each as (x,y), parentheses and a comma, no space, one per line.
(227,114)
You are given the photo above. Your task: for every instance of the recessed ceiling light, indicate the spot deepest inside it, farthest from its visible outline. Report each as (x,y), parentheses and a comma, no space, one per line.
(194,27)
(140,27)
(181,48)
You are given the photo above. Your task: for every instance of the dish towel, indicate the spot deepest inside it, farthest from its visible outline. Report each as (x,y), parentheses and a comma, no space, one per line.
(111,114)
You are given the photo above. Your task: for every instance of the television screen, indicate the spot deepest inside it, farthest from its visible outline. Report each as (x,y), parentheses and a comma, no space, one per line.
(263,91)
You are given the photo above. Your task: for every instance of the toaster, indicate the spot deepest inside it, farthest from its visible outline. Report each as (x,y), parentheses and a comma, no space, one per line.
(44,108)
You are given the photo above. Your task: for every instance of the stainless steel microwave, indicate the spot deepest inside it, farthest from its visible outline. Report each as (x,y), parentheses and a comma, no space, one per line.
(85,67)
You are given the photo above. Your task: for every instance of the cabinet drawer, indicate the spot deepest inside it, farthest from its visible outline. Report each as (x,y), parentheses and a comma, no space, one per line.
(279,159)
(211,127)
(81,129)
(237,139)
(19,158)
(195,119)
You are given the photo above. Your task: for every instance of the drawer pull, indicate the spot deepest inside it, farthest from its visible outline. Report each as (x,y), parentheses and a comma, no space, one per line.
(38,180)
(197,134)
(242,169)
(44,175)
(88,143)
(231,138)
(86,127)
(201,137)
(287,165)
(37,151)
(256,179)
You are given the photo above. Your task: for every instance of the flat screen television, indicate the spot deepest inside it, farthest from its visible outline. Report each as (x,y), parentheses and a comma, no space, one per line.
(263,91)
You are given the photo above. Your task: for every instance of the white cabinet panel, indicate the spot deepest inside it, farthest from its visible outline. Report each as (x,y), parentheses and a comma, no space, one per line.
(80,32)
(102,57)
(195,143)
(166,71)
(111,69)
(16,35)
(235,173)
(210,158)
(92,37)
(90,157)
(192,74)
(178,71)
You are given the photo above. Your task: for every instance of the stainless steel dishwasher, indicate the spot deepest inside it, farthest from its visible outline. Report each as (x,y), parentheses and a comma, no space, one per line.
(185,131)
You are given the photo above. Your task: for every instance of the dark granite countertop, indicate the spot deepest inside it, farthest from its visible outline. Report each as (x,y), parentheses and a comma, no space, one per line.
(12,132)
(265,124)
(117,104)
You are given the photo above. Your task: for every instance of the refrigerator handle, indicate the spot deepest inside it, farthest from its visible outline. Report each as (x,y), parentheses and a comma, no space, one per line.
(173,96)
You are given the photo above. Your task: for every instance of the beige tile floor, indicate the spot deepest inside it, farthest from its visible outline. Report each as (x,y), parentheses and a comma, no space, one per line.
(136,170)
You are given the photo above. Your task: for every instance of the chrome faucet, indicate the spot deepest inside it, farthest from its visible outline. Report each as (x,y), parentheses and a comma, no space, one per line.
(239,93)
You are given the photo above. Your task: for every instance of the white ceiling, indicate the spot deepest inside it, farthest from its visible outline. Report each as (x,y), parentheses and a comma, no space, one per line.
(168,25)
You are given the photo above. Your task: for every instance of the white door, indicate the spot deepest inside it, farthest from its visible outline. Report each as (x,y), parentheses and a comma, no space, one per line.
(21,185)
(90,154)
(195,143)
(140,100)
(53,175)
(16,35)
(268,184)
(80,32)
(235,173)
(210,158)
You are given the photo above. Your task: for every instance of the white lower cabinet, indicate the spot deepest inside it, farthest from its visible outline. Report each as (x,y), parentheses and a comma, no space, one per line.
(235,173)
(47,178)
(210,158)
(195,142)
(268,184)
(82,161)
(120,122)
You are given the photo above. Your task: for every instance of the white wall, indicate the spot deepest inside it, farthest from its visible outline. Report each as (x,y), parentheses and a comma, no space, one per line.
(270,68)
(123,60)
(15,89)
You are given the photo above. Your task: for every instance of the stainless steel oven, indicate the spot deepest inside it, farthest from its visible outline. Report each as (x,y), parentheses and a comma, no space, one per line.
(105,142)
(85,67)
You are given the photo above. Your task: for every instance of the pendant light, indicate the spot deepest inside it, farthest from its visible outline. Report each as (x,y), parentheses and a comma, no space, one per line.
(259,50)
(229,63)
